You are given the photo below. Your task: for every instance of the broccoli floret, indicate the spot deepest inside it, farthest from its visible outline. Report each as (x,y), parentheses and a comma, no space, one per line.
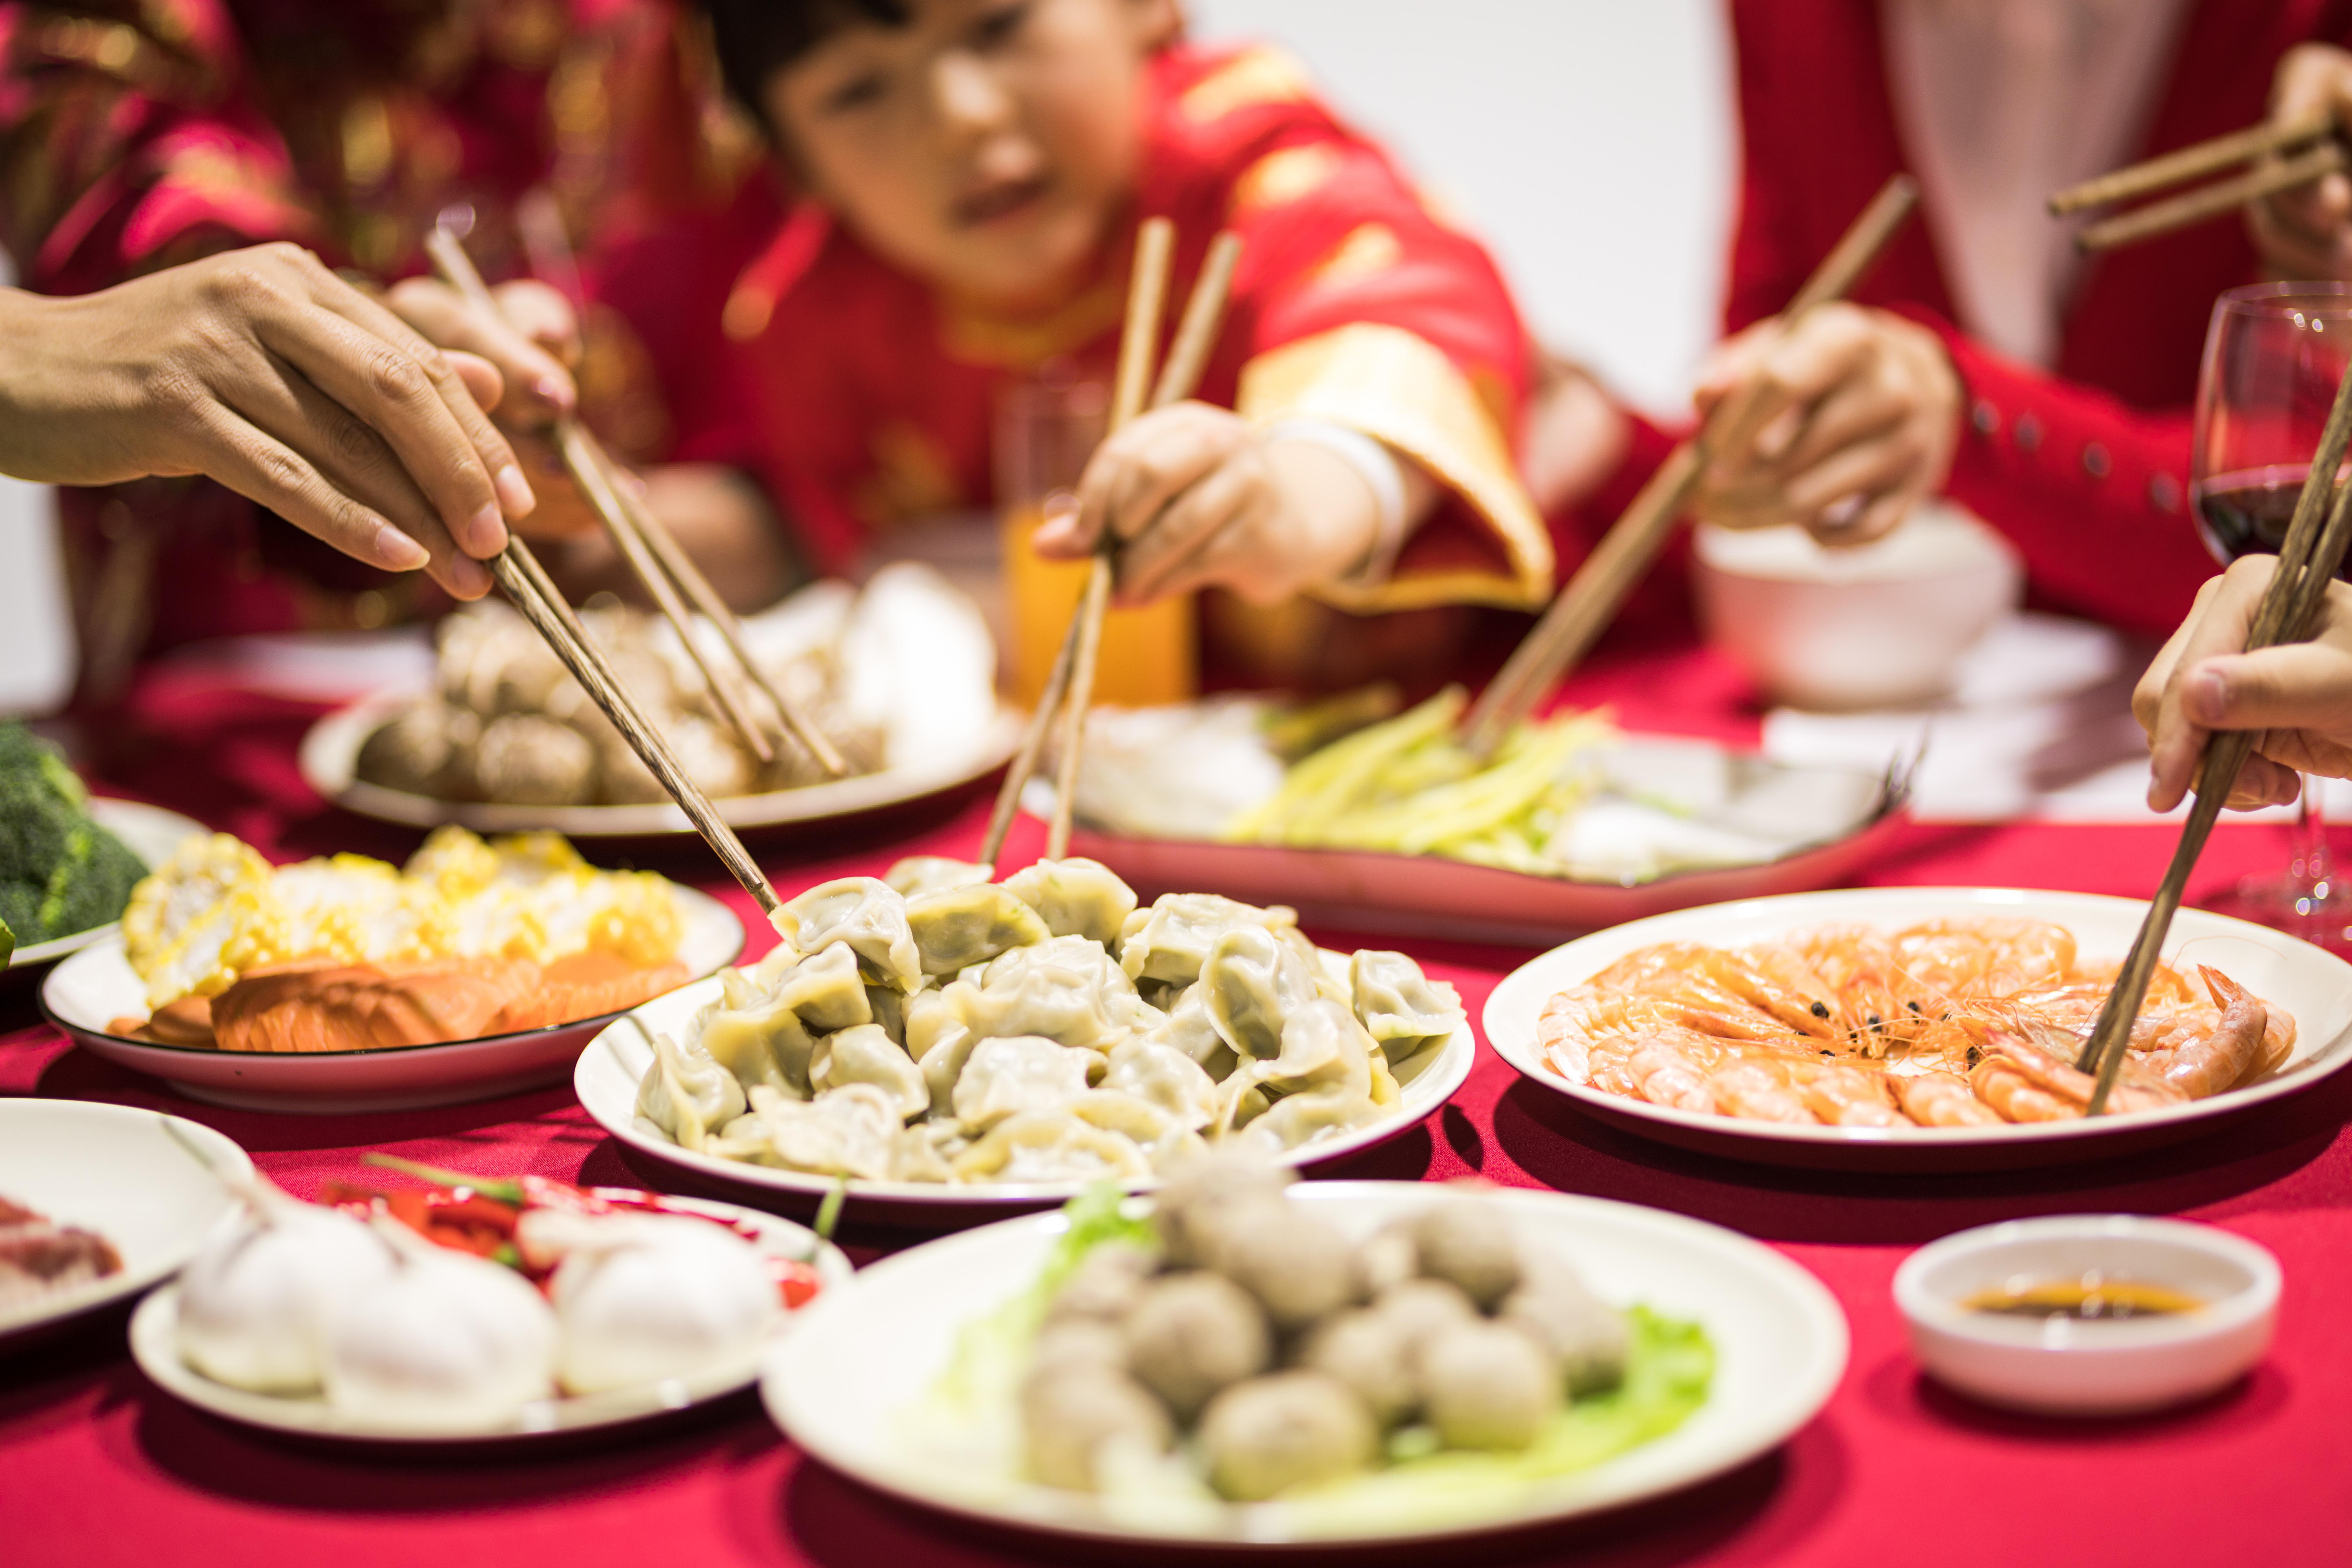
(59,871)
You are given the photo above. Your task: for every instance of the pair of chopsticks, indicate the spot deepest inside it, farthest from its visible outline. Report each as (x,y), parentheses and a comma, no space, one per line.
(1583,609)
(1070,689)
(2312,152)
(2289,612)
(654,556)
(526,585)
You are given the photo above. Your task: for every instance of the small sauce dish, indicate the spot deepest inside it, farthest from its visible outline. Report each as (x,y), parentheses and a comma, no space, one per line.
(2089,1314)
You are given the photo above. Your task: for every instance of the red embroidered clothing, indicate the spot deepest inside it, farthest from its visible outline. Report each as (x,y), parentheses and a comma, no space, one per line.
(1353,304)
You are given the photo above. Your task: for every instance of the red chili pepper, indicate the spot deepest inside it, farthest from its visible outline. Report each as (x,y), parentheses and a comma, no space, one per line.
(796,1281)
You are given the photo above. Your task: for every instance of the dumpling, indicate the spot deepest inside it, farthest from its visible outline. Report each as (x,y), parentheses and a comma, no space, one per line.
(688,1094)
(923,1153)
(864,1054)
(1076,897)
(1172,940)
(1165,1140)
(955,928)
(848,1132)
(865,913)
(1166,1077)
(889,1009)
(1253,983)
(1323,1048)
(1044,997)
(921,874)
(1084,954)
(939,1042)
(826,990)
(1003,1077)
(1050,1146)
(1399,1005)
(1189,1028)
(765,1045)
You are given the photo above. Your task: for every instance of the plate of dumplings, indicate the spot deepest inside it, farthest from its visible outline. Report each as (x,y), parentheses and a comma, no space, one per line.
(939,1039)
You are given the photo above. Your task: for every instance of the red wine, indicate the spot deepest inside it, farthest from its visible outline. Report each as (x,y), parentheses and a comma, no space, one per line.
(2247,512)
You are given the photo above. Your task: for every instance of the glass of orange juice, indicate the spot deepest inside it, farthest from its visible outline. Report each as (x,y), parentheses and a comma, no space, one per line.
(1047,428)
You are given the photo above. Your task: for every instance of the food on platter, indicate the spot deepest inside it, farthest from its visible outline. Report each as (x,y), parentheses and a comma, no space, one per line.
(506,723)
(460,1305)
(1041,1028)
(59,871)
(1568,796)
(1949,1023)
(1238,1345)
(472,939)
(40,1258)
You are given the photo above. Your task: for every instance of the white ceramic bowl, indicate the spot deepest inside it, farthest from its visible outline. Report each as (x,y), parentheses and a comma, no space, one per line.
(1880,626)
(2073,1367)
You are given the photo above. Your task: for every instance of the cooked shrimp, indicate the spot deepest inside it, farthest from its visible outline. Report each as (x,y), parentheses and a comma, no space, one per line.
(1753,1092)
(1942,1099)
(2207,1061)
(1993,957)
(1667,1072)
(1845,1095)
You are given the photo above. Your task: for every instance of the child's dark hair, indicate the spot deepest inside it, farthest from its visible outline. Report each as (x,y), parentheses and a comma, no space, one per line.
(754,39)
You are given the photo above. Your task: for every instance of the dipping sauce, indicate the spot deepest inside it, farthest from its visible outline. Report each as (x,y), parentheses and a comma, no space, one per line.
(2093,1296)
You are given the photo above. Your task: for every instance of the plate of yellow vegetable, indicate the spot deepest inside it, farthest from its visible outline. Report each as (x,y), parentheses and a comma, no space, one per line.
(1358,815)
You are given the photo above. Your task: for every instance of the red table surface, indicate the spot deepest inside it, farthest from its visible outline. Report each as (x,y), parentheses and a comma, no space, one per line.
(99,1467)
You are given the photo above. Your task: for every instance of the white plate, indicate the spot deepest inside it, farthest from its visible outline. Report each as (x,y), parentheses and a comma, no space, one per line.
(614,1064)
(147,831)
(2312,983)
(1429,895)
(330,754)
(88,991)
(114,1170)
(843,1387)
(155,1346)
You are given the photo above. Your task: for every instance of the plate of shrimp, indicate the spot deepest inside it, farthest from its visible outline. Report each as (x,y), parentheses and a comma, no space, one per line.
(1918,1027)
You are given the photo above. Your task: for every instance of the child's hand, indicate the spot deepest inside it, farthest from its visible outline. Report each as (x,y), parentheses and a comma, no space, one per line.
(1198,499)
(2298,694)
(1858,415)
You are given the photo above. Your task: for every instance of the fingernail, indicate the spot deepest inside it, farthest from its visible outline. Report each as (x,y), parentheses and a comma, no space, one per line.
(468,578)
(1060,508)
(553,391)
(514,491)
(486,533)
(396,552)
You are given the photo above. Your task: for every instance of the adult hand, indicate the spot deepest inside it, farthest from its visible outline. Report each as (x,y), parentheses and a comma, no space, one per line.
(2299,695)
(1855,416)
(1196,499)
(2306,231)
(265,371)
(532,339)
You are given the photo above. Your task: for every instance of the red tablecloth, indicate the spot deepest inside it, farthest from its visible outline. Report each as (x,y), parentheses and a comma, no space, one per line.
(97,1467)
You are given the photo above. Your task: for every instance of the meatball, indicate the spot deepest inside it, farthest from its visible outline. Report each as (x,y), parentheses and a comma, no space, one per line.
(525,760)
(1300,1269)
(1584,1335)
(422,750)
(1484,1385)
(1420,1308)
(1074,1342)
(1072,1414)
(1106,1285)
(1369,1352)
(1193,1334)
(1388,1257)
(1271,1434)
(1202,1193)
(1469,1245)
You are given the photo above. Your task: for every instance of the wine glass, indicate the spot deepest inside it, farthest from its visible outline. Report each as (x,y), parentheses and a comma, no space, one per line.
(2273,355)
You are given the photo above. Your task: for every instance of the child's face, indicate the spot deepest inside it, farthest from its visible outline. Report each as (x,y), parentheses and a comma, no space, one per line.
(987,145)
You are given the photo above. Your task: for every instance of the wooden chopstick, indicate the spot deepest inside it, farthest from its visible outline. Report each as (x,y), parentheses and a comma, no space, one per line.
(585,460)
(534,594)
(1583,609)
(2211,201)
(1069,686)
(2290,607)
(2191,162)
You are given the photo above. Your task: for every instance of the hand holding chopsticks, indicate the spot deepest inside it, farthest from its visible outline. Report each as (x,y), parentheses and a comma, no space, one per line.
(1070,689)
(2290,609)
(1583,608)
(653,557)
(528,587)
